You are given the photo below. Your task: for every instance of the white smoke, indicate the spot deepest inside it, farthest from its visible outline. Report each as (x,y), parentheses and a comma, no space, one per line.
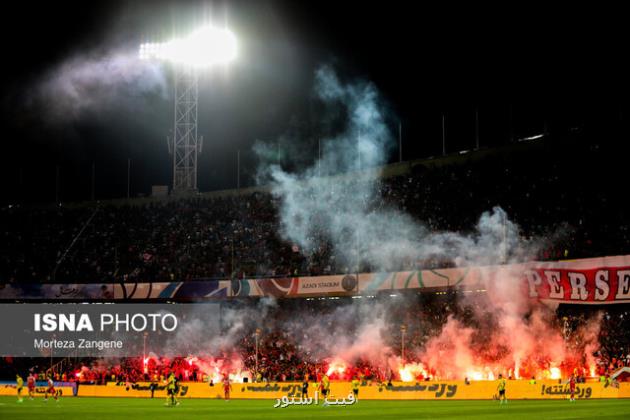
(96,81)
(345,208)
(210,329)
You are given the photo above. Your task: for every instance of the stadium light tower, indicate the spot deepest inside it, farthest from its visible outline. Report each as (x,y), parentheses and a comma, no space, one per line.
(206,47)
(403,330)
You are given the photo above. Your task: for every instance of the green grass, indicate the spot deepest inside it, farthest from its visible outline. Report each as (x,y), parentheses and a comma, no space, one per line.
(137,409)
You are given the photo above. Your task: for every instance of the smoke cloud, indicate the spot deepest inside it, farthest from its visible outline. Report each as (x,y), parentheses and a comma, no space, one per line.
(97,81)
(337,201)
(344,207)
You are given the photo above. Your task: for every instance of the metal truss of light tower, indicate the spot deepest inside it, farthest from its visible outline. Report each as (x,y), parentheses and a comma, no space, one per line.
(205,47)
(185,145)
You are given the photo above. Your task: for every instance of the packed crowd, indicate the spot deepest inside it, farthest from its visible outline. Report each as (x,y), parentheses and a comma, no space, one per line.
(614,343)
(572,213)
(285,354)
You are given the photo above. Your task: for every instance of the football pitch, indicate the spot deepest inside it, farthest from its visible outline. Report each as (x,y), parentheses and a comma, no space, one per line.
(137,409)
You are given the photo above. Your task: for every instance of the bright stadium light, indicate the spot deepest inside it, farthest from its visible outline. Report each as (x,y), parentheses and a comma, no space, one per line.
(205,47)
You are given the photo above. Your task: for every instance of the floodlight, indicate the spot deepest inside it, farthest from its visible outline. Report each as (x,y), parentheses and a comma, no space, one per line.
(205,47)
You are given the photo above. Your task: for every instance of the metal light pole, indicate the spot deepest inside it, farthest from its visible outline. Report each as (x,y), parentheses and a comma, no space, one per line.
(51,354)
(185,145)
(257,336)
(205,47)
(443,135)
(128,177)
(232,258)
(144,352)
(57,184)
(399,141)
(238,169)
(511,124)
(403,330)
(477,128)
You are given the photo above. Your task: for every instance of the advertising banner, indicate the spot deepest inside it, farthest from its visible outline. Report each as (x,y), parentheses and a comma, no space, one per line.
(67,389)
(589,281)
(433,390)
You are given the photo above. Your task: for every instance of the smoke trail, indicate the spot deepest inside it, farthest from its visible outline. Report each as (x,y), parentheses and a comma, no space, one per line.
(96,81)
(346,210)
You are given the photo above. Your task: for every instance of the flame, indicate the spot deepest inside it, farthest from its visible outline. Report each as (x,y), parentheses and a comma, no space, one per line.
(475,375)
(216,369)
(410,372)
(336,366)
(475,369)
(480,374)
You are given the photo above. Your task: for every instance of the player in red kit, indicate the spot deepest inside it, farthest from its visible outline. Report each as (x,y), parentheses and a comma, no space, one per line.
(226,387)
(30,384)
(50,390)
(572,386)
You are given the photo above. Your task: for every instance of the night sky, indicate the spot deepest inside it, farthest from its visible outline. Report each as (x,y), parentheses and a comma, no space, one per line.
(525,69)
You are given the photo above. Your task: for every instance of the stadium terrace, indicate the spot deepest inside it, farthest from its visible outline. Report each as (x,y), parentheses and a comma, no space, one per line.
(235,210)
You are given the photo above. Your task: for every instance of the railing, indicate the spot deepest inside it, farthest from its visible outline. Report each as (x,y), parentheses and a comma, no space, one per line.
(59,366)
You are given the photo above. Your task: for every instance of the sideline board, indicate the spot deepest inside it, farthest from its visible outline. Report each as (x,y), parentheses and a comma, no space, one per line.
(6,389)
(438,390)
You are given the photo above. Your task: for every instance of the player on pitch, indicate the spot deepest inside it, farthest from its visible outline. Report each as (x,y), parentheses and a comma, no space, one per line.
(19,385)
(571,382)
(30,384)
(324,387)
(355,387)
(227,387)
(51,390)
(501,388)
(171,391)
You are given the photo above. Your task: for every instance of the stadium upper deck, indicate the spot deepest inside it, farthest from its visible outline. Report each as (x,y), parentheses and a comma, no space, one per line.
(571,211)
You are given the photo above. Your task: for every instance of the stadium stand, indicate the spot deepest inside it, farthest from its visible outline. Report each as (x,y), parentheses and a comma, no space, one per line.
(237,234)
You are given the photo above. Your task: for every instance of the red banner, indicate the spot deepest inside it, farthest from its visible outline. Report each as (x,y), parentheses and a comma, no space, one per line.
(576,285)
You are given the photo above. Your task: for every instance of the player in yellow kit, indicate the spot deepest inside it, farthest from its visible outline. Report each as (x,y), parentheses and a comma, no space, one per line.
(501,389)
(19,384)
(355,387)
(324,387)
(171,391)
